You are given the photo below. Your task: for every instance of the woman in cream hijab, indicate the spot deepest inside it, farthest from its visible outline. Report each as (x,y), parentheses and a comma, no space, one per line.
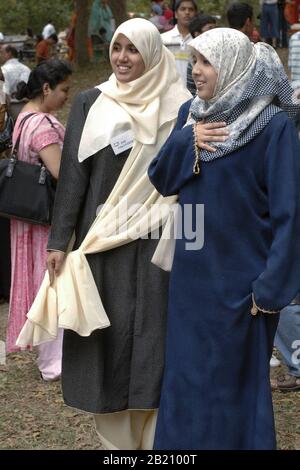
(113,133)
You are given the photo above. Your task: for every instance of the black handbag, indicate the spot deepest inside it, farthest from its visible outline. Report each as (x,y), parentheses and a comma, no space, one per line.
(6,134)
(27,191)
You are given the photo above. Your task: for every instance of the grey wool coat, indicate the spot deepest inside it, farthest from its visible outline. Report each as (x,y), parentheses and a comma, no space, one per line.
(119,367)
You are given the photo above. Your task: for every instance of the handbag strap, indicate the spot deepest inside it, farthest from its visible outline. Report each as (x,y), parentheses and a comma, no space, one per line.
(16,146)
(25,118)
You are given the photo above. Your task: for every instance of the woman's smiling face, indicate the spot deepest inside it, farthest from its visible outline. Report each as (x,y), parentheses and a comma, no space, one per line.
(204,75)
(126,61)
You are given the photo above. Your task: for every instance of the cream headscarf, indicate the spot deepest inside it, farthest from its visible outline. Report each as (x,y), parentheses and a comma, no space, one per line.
(148,106)
(143,105)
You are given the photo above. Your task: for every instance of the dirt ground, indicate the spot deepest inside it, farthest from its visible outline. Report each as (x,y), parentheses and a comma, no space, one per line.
(32,413)
(34,417)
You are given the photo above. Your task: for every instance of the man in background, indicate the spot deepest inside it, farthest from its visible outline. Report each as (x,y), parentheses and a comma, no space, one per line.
(13,72)
(240,17)
(48,30)
(178,38)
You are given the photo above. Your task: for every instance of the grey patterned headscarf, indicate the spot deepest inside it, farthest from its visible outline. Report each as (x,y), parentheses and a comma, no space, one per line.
(251,88)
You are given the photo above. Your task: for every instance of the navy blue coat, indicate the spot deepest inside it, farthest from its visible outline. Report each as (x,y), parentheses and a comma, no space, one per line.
(216,391)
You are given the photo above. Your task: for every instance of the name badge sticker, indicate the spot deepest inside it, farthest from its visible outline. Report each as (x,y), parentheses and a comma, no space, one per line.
(122,142)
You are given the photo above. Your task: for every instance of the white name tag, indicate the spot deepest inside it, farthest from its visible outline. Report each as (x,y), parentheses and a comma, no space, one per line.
(122,142)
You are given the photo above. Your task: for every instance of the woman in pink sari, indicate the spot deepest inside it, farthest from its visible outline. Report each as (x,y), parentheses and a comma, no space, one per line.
(41,139)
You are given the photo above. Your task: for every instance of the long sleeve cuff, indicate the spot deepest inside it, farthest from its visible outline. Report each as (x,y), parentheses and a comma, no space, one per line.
(257,308)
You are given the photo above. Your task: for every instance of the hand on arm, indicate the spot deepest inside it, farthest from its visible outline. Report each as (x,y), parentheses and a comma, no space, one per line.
(210,132)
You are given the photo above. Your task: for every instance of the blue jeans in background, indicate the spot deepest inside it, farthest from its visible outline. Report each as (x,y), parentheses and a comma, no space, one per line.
(269,22)
(287,339)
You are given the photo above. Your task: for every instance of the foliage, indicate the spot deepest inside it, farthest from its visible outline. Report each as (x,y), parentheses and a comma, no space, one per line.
(16,16)
(216,7)
(139,6)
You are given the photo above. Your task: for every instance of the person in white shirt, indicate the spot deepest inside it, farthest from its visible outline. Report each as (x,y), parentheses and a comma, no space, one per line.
(178,38)
(48,30)
(13,72)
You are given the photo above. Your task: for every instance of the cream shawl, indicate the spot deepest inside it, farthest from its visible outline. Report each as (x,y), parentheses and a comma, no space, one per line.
(148,106)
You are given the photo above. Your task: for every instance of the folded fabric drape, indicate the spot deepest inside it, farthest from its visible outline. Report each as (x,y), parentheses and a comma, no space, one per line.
(165,250)
(133,209)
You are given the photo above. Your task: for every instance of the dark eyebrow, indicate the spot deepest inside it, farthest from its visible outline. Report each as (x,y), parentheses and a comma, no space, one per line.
(130,44)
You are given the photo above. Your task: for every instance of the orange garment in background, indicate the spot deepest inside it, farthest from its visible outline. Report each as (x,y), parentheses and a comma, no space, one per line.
(71,37)
(71,40)
(42,51)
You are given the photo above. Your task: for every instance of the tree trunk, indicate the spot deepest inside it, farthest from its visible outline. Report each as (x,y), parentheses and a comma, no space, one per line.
(119,9)
(81,33)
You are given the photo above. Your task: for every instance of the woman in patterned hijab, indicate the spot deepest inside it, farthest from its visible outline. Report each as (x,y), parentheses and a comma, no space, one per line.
(251,80)
(226,291)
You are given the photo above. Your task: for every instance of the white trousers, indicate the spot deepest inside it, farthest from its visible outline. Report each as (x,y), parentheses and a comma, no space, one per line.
(127,430)
(49,357)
